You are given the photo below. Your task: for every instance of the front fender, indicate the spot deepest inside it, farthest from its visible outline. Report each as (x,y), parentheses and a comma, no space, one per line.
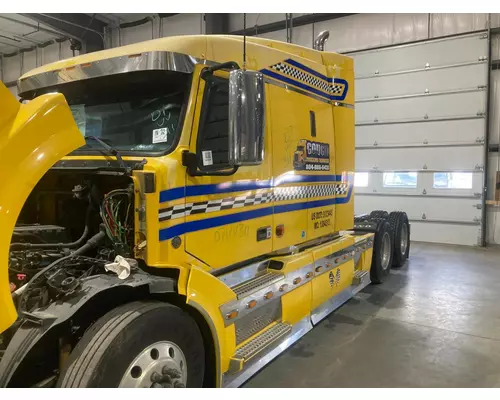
(49,321)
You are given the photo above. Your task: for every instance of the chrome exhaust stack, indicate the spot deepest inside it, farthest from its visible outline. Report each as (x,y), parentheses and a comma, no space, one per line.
(319,43)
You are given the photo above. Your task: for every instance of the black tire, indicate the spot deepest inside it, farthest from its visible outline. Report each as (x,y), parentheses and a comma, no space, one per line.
(379,214)
(379,269)
(400,227)
(102,356)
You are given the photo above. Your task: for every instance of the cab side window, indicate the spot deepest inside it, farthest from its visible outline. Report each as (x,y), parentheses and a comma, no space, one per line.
(213,134)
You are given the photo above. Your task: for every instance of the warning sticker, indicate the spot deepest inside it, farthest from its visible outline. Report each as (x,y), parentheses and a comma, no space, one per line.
(160,135)
(207,157)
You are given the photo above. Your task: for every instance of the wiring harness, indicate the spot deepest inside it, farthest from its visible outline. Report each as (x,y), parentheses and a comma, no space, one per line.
(115,214)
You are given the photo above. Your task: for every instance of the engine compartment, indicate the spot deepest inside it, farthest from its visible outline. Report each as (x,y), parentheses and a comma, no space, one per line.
(71,226)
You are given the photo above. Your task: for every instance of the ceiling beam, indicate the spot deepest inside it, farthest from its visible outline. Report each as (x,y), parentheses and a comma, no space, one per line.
(281,25)
(216,24)
(87,30)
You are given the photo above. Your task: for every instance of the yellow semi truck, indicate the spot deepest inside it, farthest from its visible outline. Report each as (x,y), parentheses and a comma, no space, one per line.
(159,226)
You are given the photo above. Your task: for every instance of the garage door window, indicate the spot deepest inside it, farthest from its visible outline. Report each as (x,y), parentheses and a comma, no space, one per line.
(400,179)
(361,179)
(453,180)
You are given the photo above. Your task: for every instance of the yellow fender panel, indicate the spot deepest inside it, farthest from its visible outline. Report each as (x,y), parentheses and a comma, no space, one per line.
(33,137)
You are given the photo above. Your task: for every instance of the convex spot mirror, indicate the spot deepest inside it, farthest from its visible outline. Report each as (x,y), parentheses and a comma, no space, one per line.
(246,117)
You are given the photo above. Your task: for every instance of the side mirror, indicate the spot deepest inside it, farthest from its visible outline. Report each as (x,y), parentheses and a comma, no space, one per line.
(246,117)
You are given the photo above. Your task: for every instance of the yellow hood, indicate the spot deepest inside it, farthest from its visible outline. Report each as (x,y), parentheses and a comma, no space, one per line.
(32,138)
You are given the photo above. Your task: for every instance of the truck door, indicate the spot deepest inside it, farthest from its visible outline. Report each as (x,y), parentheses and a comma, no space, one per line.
(229,218)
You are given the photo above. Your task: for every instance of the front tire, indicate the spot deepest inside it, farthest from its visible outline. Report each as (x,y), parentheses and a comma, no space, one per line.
(140,344)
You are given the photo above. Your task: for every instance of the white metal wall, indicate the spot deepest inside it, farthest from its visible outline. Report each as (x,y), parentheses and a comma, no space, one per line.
(421,108)
(14,67)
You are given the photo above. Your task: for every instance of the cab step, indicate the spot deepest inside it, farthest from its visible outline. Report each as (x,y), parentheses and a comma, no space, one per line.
(257,345)
(360,277)
(255,284)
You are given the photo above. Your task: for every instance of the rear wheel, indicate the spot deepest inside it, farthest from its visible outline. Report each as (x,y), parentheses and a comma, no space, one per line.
(379,214)
(140,344)
(401,230)
(382,253)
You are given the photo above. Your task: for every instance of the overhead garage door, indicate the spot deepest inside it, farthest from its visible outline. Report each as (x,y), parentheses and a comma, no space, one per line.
(420,128)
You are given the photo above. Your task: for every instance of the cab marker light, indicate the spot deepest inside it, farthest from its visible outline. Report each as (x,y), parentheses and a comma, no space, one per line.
(319,268)
(283,287)
(268,295)
(297,280)
(309,274)
(251,303)
(231,315)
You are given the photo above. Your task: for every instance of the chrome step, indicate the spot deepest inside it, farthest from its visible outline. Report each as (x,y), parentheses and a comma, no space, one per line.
(249,350)
(255,284)
(360,277)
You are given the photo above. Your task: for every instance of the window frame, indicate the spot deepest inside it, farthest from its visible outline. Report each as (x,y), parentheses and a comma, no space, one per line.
(204,112)
(453,188)
(409,187)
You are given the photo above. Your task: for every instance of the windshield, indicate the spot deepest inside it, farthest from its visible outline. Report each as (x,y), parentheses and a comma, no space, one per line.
(148,124)
(135,112)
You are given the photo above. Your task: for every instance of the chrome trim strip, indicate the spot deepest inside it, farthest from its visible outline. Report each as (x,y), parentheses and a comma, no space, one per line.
(244,274)
(250,271)
(423,119)
(428,94)
(340,104)
(298,330)
(258,296)
(345,255)
(335,302)
(147,61)
(210,323)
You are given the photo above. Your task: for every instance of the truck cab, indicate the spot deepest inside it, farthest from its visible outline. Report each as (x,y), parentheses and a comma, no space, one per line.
(193,200)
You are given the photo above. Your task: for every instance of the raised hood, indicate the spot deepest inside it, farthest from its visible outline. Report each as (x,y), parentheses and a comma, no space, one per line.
(33,137)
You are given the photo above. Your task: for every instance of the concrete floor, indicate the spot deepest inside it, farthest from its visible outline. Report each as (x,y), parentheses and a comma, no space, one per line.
(433,323)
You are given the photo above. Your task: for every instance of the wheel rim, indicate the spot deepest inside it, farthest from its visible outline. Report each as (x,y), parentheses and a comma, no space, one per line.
(404,238)
(160,365)
(386,250)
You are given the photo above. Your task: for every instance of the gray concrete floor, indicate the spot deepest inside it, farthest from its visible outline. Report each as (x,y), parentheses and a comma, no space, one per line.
(434,323)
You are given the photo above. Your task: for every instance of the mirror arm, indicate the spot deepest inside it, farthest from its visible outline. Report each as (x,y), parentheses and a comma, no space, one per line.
(227,65)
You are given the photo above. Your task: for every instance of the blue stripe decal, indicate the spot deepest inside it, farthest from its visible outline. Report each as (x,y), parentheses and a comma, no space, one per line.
(207,223)
(243,185)
(296,83)
(193,226)
(172,194)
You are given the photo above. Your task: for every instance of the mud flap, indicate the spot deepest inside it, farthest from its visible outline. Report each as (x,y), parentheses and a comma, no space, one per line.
(33,137)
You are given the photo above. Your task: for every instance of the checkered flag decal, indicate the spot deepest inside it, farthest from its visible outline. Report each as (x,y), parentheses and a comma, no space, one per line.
(280,194)
(333,89)
(203,207)
(308,192)
(301,76)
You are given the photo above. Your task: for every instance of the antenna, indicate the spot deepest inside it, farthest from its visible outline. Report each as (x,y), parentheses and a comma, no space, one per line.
(244,41)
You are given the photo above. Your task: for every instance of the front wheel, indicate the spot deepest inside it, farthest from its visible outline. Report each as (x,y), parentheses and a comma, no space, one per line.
(140,344)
